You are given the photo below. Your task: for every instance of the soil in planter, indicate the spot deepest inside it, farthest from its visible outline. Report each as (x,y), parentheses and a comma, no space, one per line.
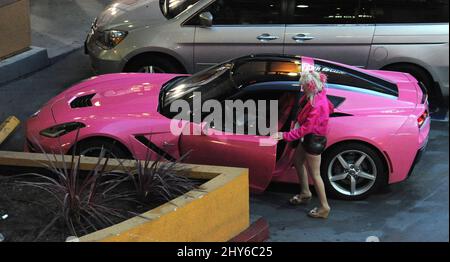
(29,212)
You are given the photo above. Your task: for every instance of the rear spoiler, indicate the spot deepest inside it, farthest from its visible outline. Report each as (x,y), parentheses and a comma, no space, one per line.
(424,91)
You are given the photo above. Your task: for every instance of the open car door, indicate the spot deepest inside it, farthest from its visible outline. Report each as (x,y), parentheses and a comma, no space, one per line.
(226,149)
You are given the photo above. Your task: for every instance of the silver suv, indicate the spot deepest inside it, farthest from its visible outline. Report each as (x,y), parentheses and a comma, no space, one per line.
(185,36)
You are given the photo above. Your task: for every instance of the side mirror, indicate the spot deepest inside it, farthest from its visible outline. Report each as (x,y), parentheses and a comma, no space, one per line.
(206,19)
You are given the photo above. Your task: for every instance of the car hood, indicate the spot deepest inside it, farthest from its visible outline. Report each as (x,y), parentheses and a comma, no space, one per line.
(130,14)
(109,96)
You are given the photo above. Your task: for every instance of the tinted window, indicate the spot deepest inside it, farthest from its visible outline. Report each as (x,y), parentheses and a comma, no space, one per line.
(346,77)
(326,12)
(246,12)
(172,8)
(286,102)
(265,70)
(212,83)
(408,11)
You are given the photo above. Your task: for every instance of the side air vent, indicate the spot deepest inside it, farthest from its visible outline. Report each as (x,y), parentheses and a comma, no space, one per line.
(336,100)
(155,148)
(82,101)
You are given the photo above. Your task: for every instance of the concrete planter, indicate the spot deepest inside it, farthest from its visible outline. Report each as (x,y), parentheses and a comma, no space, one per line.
(218,211)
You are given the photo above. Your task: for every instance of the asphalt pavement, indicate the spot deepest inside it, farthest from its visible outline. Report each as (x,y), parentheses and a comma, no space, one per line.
(61,26)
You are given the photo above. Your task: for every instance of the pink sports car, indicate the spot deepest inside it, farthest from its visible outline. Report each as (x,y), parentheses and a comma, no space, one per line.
(378,131)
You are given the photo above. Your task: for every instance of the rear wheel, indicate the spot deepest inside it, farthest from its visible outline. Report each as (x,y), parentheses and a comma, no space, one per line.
(352,171)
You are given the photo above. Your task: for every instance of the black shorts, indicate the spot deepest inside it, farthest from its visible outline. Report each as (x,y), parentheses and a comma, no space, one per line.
(312,144)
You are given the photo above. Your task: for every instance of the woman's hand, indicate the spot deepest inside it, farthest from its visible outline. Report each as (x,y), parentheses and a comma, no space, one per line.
(277,136)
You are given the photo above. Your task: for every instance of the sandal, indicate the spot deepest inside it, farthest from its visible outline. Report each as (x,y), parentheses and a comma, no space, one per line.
(315,213)
(300,200)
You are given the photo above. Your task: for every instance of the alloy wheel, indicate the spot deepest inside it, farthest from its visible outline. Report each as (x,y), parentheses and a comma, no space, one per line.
(96,151)
(352,173)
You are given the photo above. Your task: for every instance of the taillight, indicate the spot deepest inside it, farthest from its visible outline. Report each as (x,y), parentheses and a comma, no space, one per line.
(422,118)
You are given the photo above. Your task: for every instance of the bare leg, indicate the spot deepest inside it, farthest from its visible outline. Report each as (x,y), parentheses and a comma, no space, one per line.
(299,163)
(312,163)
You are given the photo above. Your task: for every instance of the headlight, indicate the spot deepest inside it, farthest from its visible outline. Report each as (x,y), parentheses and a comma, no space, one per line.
(60,130)
(110,38)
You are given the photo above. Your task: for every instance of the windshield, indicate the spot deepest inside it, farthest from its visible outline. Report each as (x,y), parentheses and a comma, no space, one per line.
(172,8)
(223,81)
(212,83)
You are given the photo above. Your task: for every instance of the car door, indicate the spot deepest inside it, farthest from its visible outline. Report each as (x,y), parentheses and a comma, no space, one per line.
(248,89)
(231,147)
(336,30)
(239,28)
(228,149)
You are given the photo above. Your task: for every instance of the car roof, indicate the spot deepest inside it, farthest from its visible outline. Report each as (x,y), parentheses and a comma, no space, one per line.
(361,73)
(285,57)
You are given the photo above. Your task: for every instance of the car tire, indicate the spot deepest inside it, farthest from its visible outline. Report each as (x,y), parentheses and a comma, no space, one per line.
(372,164)
(434,95)
(152,64)
(92,148)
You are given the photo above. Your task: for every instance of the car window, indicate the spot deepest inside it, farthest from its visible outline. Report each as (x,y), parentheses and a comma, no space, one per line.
(408,11)
(343,77)
(212,83)
(172,8)
(326,12)
(246,12)
(265,70)
(242,123)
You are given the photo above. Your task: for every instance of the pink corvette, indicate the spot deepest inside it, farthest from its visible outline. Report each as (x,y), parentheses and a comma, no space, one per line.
(377,133)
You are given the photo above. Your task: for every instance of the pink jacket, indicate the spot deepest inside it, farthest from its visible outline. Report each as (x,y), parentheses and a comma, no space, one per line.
(312,119)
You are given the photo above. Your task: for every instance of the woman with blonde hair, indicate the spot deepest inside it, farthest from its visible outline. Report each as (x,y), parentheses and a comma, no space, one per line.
(310,130)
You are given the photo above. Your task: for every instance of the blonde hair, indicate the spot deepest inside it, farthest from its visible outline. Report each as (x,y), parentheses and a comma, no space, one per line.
(312,83)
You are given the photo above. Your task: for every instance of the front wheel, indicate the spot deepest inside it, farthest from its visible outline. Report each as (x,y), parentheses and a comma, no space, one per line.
(151,65)
(93,148)
(352,171)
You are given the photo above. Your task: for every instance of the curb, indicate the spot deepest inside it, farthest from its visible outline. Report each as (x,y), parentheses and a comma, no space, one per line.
(22,64)
(256,233)
(56,58)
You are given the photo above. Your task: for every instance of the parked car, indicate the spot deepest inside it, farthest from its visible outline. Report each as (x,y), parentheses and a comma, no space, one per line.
(186,36)
(377,133)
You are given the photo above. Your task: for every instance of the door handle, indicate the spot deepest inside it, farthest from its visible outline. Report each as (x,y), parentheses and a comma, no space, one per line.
(267,37)
(167,144)
(302,37)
